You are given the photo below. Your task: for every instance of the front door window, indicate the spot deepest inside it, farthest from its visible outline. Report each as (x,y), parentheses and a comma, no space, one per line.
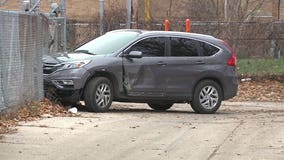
(143,76)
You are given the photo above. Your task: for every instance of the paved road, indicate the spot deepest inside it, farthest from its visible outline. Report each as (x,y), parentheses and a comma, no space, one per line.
(252,131)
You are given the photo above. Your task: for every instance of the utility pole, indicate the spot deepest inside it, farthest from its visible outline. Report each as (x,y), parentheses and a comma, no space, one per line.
(128,14)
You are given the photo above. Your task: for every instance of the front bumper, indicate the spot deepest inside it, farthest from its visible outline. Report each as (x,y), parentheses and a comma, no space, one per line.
(62,95)
(72,90)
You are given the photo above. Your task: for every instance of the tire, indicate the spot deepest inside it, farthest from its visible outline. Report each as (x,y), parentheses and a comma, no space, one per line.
(98,94)
(160,106)
(207,97)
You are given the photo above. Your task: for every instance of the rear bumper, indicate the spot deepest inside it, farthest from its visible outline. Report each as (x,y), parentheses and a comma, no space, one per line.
(230,88)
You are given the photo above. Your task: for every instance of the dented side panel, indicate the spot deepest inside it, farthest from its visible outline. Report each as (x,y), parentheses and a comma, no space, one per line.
(144,76)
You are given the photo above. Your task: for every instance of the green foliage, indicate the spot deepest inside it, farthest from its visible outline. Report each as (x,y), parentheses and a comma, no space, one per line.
(261,66)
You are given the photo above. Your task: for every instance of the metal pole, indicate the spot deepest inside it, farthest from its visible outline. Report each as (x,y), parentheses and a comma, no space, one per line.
(279,3)
(225,10)
(64,25)
(128,14)
(34,6)
(50,3)
(102,17)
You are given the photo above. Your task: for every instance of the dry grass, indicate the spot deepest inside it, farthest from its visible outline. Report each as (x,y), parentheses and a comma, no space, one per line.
(86,10)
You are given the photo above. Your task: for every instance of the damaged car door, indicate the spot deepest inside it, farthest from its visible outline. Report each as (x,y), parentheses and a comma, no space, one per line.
(143,75)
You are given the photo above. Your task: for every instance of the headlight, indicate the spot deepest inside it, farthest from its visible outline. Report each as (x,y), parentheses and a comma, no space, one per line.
(75,64)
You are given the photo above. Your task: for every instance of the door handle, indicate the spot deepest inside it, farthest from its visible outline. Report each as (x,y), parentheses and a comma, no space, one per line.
(161,63)
(199,62)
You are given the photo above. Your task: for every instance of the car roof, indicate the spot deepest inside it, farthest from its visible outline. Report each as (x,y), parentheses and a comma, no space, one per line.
(144,33)
(196,36)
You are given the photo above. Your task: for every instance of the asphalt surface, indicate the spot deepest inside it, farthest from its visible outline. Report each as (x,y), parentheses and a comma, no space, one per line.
(246,131)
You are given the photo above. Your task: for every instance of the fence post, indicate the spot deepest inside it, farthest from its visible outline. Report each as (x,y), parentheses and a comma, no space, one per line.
(167,25)
(64,25)
(187,25)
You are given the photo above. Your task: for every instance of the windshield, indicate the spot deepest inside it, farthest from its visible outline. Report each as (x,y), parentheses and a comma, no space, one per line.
(108,43)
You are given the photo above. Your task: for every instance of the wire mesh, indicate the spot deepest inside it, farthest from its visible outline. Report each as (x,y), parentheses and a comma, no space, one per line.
(24,39)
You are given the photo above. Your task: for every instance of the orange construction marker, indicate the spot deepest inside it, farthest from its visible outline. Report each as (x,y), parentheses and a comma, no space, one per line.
(167,25)
(187,25)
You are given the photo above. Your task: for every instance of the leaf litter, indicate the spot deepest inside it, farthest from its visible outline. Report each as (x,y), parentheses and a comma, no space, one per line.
(30,112)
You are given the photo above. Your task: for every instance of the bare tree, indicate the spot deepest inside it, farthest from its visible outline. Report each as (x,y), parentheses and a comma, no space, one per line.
(114,15)
(205,10)
(239,14)
(169,10)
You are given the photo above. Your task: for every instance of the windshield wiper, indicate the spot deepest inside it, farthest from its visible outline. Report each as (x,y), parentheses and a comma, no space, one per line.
(84,51)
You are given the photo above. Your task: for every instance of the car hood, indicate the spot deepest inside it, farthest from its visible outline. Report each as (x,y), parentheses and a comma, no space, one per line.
(67,57)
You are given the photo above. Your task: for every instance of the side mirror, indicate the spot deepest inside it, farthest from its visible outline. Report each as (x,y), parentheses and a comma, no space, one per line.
(134,54)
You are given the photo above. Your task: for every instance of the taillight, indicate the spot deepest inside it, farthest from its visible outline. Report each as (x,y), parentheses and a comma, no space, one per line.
(233,59)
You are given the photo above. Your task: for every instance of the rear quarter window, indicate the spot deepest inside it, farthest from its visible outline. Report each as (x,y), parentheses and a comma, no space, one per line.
(208,49)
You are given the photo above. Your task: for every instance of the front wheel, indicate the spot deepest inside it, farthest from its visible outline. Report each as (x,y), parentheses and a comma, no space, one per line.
(160,106)
(98,94)
(207,97)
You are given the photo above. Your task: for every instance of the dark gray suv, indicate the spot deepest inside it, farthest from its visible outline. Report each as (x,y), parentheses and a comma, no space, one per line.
(154,67)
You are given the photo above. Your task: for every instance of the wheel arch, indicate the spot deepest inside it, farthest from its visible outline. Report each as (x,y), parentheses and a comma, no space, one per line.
(105,74)
(215,79)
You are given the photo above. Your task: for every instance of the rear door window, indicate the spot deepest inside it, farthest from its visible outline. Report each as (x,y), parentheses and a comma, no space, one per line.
(183,47)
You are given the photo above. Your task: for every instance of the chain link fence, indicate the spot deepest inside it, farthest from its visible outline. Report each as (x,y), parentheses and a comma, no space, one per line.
(249,39)
(23,40)
(55,43)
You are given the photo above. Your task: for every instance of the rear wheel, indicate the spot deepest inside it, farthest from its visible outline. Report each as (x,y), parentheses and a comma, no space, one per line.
(98,94)
(207,97)
(162,106)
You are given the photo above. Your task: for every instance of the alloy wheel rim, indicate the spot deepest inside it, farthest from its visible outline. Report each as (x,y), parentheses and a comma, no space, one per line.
(103,95)
(208,97)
